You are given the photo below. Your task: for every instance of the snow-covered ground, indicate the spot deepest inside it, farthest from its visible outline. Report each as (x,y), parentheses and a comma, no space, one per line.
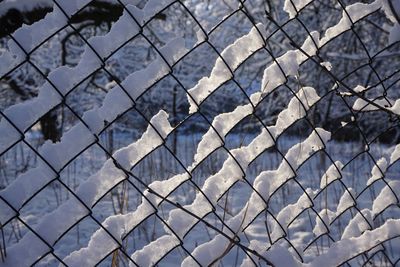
(160,165)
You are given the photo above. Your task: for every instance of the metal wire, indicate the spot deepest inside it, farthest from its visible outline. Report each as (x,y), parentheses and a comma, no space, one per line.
(383,256)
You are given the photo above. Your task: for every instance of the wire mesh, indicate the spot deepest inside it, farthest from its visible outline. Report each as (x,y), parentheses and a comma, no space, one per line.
(209,231)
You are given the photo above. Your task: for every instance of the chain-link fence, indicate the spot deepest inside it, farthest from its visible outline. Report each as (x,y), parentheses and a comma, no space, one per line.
(228,133)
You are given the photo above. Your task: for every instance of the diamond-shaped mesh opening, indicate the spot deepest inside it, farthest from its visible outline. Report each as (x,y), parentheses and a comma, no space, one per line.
(174,100)
(183,25)
(20,84)
(225,27)
(120,63)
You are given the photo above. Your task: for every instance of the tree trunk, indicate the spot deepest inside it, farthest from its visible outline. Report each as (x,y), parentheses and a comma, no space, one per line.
(49,126)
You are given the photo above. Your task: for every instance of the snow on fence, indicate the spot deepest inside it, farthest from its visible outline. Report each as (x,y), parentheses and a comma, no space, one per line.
(313,206)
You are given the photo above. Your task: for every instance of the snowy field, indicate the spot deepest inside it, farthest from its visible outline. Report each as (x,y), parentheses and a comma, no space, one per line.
(160,165)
